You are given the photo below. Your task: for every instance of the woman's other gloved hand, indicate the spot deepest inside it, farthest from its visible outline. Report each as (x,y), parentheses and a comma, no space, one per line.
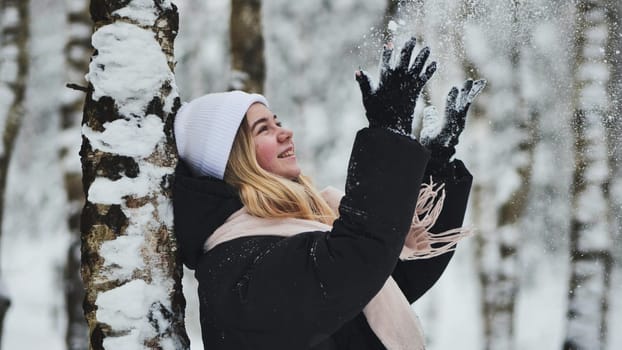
(392,103)
(440,134)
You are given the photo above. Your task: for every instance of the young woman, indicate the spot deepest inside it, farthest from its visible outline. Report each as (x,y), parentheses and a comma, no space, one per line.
(283,266)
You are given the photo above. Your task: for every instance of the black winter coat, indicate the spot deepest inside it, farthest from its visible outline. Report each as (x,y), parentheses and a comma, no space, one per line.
(308,291)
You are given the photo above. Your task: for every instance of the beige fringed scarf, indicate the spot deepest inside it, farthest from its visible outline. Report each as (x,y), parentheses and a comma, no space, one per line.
(389,314)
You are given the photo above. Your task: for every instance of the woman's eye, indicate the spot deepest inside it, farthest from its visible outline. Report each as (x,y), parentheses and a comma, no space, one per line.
(263,128)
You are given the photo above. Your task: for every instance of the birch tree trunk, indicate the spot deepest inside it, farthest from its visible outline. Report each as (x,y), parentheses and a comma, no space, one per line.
(132,276)
(247,46)
(501,189)
(591,223)
(77,52)
(613,124)
(13,75)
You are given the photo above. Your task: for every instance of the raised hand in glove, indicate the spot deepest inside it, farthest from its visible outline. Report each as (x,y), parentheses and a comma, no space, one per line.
(440,134)
(392,103)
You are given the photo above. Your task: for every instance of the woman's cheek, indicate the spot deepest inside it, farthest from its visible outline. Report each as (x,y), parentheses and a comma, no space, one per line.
(266,153)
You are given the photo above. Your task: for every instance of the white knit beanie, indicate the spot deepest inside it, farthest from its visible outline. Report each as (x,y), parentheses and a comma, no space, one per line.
(206,126)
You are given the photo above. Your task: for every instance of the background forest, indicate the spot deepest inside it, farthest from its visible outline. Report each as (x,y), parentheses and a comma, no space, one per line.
(545,267)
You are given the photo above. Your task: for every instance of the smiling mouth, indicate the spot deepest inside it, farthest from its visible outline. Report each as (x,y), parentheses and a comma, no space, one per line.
(288,153)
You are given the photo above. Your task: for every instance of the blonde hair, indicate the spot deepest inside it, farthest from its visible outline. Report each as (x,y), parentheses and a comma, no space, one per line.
(268,195)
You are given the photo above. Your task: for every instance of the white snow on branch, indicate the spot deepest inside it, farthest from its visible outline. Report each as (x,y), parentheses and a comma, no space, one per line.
(142,11)
(129,67)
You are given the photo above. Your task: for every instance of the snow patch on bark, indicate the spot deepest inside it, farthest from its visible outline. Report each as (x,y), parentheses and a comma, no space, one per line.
(136,137)
(143,12)
(129,67)
(107,191)
(126,306)
(122,256)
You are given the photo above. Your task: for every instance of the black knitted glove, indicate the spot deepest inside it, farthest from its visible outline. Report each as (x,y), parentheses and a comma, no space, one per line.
(392,103)
(440,135)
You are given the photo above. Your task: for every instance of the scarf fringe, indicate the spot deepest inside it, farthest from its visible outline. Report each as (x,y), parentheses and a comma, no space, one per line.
(420,242)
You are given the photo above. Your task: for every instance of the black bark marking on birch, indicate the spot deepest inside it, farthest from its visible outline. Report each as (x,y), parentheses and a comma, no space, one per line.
(115,219)
(101,10)
(167,27)
(155,106)
(88,175)
(104,111)
(111,216)
(87,307)
(114,167)
(97,336)
(157,311)
(168,126)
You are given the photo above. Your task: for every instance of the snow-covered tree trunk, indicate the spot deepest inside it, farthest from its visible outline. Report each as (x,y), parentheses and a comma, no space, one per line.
(247,46)
(482,211)
(130,270)
(614,124)
(13,75)
(591,222)
(506,142)
(77,52)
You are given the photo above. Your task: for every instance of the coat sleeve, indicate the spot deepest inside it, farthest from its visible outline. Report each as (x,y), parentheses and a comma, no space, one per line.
(308,285)
(415,277)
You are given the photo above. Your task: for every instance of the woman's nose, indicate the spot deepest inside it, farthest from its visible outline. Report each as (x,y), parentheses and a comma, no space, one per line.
(285,134)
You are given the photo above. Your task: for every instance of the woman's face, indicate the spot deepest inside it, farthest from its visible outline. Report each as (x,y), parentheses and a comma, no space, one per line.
(274,145)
